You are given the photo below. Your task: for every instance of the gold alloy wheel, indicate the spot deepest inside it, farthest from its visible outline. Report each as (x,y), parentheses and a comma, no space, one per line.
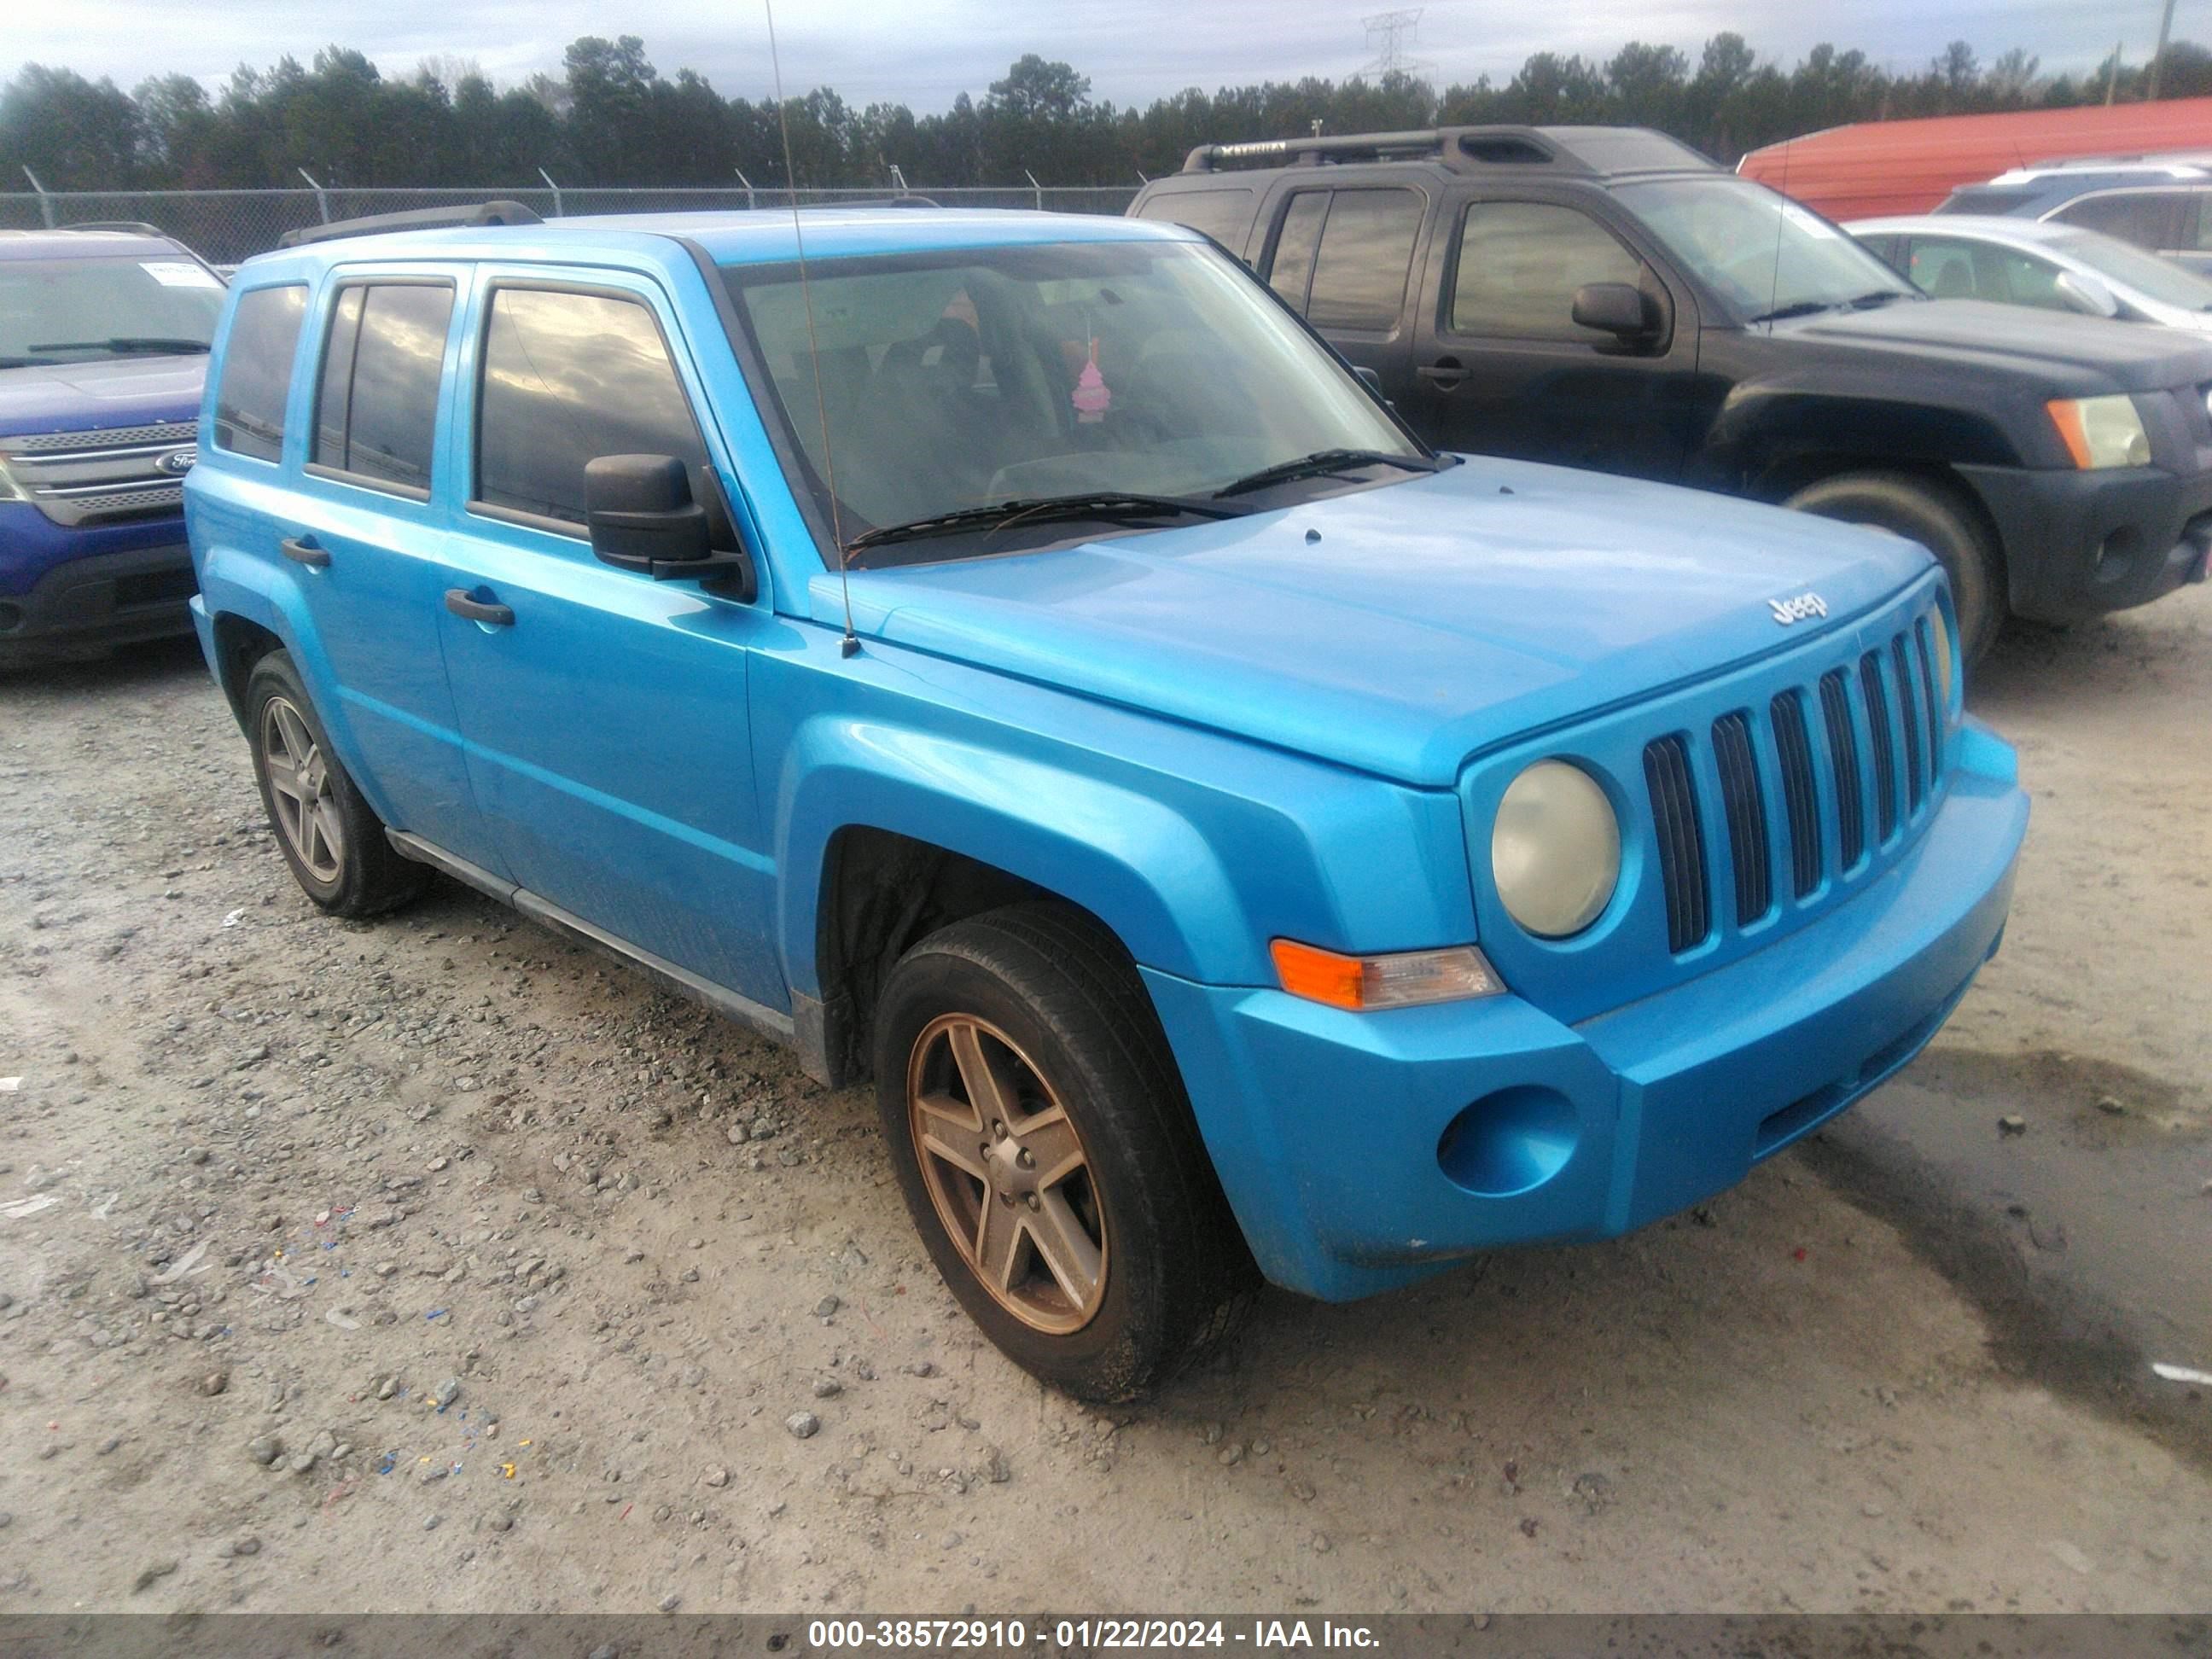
(299,786)
(1007,1173)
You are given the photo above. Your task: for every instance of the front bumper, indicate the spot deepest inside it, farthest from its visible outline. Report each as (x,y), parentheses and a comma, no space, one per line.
(2078,545)
(88,606)
(1360,1152)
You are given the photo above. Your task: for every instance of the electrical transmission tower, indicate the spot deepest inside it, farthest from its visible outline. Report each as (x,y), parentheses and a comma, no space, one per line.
(1391,36)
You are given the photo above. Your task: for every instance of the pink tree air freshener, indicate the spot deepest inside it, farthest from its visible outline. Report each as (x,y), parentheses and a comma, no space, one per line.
(1090,397)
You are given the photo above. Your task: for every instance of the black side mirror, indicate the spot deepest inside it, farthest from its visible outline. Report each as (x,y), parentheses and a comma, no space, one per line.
(643,516)
(1620,309)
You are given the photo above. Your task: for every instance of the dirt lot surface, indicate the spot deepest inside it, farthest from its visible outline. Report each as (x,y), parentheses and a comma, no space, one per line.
(434,1263)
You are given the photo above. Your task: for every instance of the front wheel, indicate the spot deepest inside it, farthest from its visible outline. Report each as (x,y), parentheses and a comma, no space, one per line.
(1928,512)
(1040,1134)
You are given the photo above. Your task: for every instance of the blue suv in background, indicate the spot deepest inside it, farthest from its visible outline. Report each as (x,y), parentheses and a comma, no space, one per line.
(103,334)
(1012,657)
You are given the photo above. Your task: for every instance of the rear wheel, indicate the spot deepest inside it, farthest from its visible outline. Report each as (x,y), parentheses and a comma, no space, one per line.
(1042,1136)
(1928,512)
(330,836)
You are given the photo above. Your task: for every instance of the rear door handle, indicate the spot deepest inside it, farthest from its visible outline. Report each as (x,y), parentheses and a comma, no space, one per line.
(301,549)
(461,603)
(1444,375)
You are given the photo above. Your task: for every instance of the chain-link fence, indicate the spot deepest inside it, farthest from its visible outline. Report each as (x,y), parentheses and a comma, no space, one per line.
(227,226)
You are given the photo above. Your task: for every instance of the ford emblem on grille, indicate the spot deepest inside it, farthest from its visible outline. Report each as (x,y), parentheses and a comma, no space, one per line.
(1787,611)
(178,462)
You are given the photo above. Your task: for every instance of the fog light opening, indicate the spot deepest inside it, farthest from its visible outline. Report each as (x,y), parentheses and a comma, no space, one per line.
(2116,555)
(1509,1142)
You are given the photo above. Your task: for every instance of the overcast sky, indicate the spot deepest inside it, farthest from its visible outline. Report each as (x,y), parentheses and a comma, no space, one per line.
(922,52)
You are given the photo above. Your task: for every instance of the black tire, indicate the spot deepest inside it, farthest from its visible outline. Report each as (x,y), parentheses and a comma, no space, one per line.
(1931,512)
(343,862)
(1064,996)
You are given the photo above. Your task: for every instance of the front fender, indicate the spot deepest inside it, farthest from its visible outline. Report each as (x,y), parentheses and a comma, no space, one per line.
(1143,869)
(1858,412)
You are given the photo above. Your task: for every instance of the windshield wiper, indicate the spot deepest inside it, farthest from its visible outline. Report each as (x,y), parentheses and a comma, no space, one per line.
(1322,463)
(1880,296)
(1112,506)
(129,344)
(1795,308)
(28,362)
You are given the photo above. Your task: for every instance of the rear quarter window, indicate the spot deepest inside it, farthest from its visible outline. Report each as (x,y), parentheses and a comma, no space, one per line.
(256,376)
(1223,214)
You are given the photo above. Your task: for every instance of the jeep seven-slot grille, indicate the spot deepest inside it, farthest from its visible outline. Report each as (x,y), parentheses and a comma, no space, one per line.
(1843,757)
(1908,709)
(1801,797)
(1840,770)
(1681,842)
(1744,808)
(1882,740)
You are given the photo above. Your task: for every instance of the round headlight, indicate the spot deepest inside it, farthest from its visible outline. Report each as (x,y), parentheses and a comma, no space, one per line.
(1555,849)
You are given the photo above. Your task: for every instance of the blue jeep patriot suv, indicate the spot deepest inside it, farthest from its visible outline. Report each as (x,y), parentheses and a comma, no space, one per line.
(103,332)
(1009,657)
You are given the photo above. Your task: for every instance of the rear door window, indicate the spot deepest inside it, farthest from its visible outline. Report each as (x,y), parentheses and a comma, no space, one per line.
(257,371)
(376,408)
(1223,214)
(1366,252)
(1289,270)
(2144,217)
(569,377)
(1519,264)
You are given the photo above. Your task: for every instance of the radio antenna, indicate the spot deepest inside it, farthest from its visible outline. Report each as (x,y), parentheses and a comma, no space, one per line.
(851,644)
(1781,208)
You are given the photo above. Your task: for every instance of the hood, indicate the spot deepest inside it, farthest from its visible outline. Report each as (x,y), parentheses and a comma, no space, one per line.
(1399,631)
(2068,355)
(107,392)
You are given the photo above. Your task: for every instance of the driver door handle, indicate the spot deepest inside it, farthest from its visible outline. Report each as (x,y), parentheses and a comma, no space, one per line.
(1445,375)
(301,549)
(461,603)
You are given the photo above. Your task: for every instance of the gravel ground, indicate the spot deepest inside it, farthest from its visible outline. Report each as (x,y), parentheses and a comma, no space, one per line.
(434,1263)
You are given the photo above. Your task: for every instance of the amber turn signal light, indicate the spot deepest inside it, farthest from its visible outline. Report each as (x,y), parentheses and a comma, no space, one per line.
(1403,978)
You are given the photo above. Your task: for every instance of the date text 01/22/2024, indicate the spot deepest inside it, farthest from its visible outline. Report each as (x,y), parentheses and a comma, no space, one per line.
(1086,1635)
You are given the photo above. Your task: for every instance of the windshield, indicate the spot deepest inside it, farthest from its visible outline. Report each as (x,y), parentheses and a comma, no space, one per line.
(67,310)
(955,379)
(2146,273)
(1765,255)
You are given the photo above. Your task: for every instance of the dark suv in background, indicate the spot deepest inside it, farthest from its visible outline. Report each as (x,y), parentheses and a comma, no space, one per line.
(1608,298)
(103,332)
(2159,202)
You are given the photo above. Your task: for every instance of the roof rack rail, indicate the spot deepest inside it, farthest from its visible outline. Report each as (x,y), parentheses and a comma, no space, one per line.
(1586,151)
(913,199)
(437,218)
(1437,143)
(134,227)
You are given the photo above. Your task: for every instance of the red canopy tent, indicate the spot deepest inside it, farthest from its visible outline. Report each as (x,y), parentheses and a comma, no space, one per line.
(1907,167)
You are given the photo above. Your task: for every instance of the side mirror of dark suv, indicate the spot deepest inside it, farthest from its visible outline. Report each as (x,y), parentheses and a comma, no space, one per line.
(1617,308)
(643,516)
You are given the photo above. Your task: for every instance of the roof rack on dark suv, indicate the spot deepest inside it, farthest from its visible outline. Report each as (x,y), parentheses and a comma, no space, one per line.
(1595,152)
(437,218)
